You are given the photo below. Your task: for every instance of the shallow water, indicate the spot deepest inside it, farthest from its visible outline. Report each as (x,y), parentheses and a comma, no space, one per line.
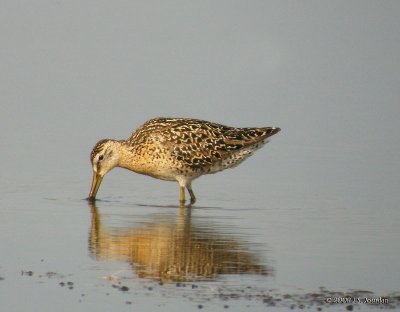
(238,248)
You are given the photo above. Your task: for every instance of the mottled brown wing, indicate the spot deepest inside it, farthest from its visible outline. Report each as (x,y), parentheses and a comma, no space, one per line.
(199,145)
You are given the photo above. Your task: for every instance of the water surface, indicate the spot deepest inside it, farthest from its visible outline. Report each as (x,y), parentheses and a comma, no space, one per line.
(239,252)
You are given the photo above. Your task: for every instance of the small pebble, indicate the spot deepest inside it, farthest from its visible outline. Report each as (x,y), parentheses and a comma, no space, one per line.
(349,307)
(51,274)
(200,306)
(29,273)
(124,288)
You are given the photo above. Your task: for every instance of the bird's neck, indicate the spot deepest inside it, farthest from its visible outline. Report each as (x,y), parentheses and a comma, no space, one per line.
(136,158)
(129,158)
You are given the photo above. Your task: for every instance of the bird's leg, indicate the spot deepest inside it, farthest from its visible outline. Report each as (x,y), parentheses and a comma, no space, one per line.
(182,195)
(192,196)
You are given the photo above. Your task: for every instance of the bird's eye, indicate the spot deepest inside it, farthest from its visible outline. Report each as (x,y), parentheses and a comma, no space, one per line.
(101,157)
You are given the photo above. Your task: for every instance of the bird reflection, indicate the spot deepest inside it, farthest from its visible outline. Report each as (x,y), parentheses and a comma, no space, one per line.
(174,249)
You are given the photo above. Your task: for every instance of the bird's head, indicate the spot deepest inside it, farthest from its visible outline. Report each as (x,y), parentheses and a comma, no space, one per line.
(104,157)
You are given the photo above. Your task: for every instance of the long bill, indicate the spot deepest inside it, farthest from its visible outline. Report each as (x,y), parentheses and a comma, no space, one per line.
(97,178)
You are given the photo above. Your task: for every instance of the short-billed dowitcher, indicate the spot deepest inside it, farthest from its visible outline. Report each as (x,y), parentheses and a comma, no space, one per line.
(177,149)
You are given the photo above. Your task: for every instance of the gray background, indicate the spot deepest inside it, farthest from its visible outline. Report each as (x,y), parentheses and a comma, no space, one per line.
(326,72)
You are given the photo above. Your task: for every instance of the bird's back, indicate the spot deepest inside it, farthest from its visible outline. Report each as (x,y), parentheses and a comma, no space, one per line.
(198,147)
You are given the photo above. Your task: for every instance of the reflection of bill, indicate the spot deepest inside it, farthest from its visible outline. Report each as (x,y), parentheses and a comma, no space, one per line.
(174,250)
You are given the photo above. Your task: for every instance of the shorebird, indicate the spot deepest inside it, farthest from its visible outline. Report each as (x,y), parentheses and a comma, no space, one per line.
(177,149)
